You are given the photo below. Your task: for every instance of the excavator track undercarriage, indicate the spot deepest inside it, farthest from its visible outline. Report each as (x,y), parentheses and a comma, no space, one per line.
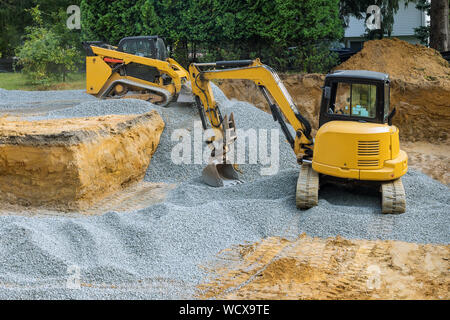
(307,194)
(393,197)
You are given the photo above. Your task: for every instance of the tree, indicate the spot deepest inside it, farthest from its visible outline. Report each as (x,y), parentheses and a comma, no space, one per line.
(423,32)
(109,20)
(223,29)
(13,20)
(439,25)
(43,56)
(310,27)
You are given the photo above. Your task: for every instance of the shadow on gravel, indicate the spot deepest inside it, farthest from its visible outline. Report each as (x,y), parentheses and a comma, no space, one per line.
(353,196)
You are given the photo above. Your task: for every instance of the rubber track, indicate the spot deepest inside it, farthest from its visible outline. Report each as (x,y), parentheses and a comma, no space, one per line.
(307,195)
(393,197)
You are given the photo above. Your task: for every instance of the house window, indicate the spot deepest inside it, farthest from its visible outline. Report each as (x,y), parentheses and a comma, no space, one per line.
(356,45)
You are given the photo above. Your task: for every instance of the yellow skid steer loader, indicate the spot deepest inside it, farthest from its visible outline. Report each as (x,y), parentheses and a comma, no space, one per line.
(139,67)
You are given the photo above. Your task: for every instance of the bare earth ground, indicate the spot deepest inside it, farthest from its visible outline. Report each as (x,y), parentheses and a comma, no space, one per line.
(333,268)
(431,159)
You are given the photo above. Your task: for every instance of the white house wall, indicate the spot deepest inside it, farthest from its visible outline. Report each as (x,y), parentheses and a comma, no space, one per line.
(405,20)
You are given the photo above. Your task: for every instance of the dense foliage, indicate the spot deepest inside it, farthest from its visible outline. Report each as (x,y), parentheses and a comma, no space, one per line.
(45,54)
(286,34)
(283,33)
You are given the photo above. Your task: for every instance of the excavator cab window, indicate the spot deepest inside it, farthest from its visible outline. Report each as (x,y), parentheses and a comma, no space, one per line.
(355,95)
(354,100)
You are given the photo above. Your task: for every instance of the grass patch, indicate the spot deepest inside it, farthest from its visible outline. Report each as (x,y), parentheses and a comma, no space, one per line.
(18,81)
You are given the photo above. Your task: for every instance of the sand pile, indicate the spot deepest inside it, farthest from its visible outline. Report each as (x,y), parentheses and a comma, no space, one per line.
(70,163)
(412,63)
(333,268)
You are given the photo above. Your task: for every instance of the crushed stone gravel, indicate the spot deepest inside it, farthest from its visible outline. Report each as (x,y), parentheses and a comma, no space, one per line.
(155,253)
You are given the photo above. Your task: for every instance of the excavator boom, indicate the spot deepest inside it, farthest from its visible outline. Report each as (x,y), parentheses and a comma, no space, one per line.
(281,105)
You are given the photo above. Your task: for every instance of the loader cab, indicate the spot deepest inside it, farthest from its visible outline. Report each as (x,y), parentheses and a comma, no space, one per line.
(144,46)
(356,95)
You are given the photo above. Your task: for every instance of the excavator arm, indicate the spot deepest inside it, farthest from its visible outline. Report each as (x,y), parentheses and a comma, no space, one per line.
(281,104)
(282,107)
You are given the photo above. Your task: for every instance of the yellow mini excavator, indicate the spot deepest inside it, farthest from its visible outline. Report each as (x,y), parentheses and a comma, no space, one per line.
(356,140)
(139,67)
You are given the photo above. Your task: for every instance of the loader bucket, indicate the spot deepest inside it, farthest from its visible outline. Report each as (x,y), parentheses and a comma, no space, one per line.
(220,175)
(185,95)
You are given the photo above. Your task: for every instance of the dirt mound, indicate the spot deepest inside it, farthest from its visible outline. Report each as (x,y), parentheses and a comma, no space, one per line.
(412,63)
(68,164)
(334,268)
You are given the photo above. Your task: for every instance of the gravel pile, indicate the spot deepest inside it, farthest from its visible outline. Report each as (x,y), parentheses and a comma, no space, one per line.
(155,252)
(17,99)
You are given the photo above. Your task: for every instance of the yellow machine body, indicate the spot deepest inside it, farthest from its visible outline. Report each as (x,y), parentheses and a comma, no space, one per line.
(107,69)
(97,74)
(355,140)
(361,151)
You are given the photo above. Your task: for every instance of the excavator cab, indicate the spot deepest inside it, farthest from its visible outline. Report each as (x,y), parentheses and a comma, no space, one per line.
(356,95)
(356,140)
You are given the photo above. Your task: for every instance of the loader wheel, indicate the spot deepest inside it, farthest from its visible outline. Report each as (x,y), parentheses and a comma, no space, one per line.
(307,195)
(120,90)
(393,197)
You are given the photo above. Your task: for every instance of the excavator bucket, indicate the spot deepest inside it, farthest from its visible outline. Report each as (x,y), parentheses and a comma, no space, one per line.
(219,173)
